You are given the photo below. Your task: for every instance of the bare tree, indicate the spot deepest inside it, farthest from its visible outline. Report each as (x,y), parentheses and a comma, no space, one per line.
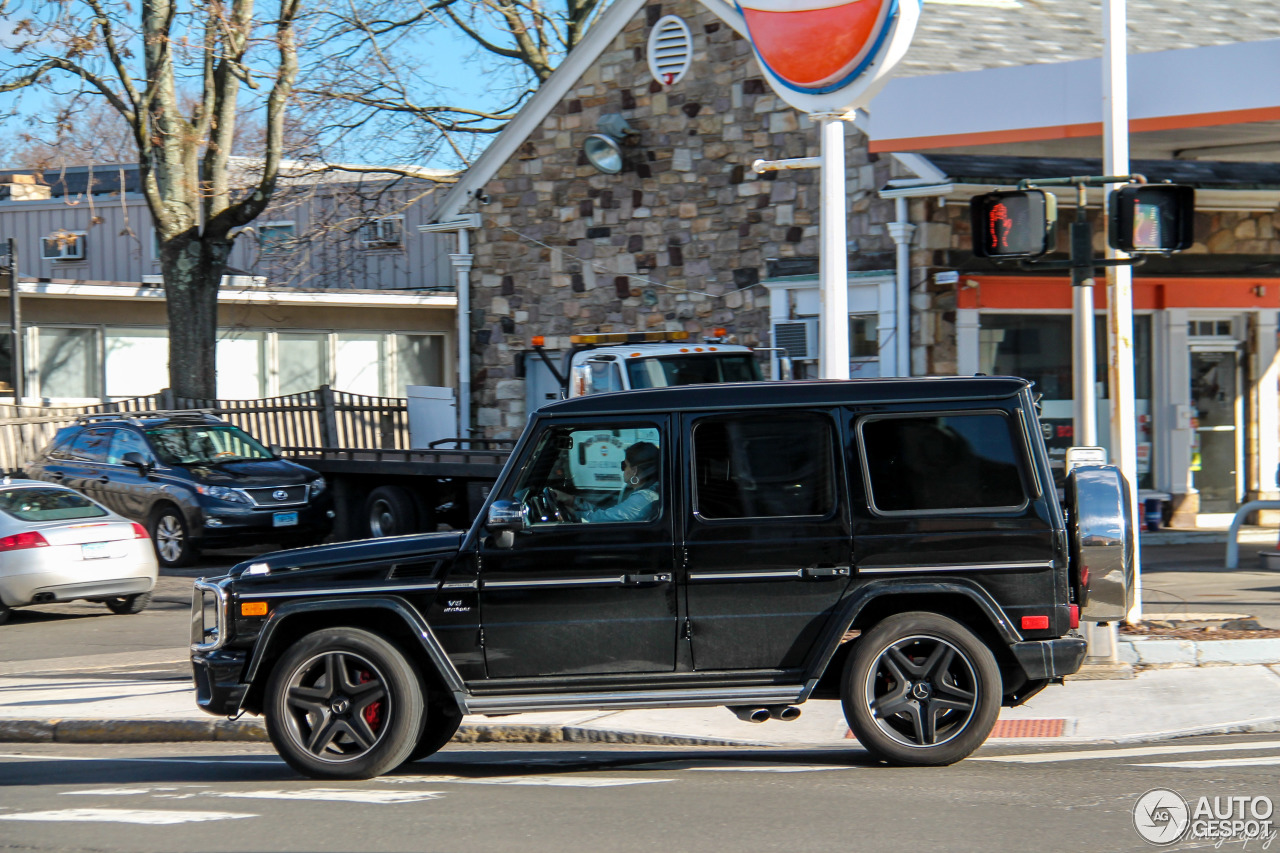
(217,52)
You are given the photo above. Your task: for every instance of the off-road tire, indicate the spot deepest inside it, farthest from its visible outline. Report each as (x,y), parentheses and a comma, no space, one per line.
(937,680)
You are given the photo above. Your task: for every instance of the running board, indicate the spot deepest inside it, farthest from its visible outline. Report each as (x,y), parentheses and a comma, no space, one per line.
(620,700)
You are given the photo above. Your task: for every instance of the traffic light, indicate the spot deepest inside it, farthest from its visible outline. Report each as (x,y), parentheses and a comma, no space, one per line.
(1152,218)
(1013,225)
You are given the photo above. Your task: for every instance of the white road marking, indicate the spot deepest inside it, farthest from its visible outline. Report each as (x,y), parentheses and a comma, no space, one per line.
(1127,752)
(335,795)
(534,781)
(227,761)
(140,816)
(1256,761)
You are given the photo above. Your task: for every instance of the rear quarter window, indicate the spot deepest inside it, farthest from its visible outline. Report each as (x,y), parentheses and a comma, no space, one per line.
(37,504)
(942,462)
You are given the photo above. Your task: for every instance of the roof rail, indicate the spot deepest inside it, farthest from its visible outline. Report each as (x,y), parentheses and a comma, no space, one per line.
(172,414)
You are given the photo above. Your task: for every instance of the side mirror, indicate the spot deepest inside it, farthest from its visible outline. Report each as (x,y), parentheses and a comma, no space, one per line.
(276,450)
(786,372)
(505,518)
(134,459)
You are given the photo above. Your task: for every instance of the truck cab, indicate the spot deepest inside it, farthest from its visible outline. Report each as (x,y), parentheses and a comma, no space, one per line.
(627,361)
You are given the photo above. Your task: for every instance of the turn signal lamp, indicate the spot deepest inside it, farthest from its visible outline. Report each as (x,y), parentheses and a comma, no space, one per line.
(1013,225)
(23,541)
(253,608)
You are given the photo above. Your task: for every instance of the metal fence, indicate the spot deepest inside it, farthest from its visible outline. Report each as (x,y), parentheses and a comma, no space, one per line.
(295,422)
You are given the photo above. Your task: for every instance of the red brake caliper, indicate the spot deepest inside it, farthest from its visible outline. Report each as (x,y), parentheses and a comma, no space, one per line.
(373,713)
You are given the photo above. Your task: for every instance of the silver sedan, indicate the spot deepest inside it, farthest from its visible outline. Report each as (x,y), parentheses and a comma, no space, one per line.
(58,545)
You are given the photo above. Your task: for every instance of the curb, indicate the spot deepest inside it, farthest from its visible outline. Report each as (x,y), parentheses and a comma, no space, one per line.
(1170,653)
(177,731)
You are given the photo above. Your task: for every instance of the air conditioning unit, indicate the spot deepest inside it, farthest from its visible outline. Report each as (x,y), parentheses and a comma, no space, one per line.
(798,337)
(63,246)
(382,233)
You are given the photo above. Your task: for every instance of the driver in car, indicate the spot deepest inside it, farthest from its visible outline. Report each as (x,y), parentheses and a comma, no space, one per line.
(638,500)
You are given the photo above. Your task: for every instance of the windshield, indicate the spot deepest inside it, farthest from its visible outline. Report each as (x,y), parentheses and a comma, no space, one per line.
(205,445)
(47,504)
(661,371)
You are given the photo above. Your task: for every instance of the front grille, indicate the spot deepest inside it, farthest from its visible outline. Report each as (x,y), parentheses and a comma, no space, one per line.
(266,497)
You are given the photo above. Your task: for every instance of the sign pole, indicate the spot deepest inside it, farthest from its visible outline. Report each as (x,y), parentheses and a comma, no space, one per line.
(833,254)
(1124,439)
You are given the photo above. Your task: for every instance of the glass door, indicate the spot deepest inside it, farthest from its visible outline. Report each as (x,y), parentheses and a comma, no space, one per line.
(1216,450)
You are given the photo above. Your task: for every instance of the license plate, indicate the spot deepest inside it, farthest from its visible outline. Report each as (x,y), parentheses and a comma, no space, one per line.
(102,550)
(284,519)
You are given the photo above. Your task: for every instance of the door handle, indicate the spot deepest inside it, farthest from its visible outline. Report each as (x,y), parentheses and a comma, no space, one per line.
(104,479)
(56,475)
(825,572)
(637,580)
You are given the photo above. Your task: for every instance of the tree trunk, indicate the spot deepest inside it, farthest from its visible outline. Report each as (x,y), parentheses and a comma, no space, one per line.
(193,269)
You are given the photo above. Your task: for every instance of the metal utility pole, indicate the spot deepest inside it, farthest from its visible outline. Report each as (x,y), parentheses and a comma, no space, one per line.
(1115,122)
(15,324)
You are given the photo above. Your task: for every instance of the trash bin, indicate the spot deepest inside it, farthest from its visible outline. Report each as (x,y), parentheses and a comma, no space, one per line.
(1152,513)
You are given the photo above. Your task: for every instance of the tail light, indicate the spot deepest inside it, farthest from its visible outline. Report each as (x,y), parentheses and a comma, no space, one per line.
(1075,616)
(22,541)
(140,532)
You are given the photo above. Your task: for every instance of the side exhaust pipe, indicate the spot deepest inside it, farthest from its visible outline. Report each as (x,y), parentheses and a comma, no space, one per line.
(786,713)
(750,714)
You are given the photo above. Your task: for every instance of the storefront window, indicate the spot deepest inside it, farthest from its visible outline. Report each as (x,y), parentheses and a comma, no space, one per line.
(359,363)
(419,360)
(1038,347)
(240,359)
(303,362)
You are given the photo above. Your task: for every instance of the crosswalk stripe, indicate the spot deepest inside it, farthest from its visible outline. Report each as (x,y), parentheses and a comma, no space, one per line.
(137,816)
(533,781)
(1127,752)
(337,795)
(1255,761)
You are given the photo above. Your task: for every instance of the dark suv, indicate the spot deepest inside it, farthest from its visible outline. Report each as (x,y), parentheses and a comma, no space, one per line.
(897,544)
(194,480)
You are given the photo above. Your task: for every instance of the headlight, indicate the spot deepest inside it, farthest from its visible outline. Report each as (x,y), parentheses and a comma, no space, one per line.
(222,493)
(318,485)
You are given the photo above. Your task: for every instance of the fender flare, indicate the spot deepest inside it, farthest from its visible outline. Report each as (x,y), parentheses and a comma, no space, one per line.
(863,595)
(430,645)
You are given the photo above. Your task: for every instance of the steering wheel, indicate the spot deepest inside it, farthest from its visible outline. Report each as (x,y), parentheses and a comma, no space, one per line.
(553,508)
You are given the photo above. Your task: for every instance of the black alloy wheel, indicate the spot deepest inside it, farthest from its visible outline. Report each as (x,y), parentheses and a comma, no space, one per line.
(344,703)
(390,511)
(171,537)
(127,604)
(921,689)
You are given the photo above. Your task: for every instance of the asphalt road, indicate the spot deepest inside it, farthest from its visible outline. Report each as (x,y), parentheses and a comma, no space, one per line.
(558,798)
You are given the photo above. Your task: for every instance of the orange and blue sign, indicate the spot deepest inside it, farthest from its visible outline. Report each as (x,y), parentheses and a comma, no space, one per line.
(829,55)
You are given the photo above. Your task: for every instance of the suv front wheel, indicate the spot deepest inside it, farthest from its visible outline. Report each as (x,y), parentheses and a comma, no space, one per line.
(344,703)
(921,689)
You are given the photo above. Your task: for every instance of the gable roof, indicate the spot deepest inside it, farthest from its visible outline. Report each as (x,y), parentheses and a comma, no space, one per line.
(953,35)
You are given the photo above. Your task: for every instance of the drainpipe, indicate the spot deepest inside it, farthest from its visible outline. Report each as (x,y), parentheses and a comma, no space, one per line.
(461,261)
(462,268)
(902,232)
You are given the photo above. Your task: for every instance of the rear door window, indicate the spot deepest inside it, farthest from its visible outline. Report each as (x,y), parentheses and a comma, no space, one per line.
(91,446)
(942,462)
(750,466)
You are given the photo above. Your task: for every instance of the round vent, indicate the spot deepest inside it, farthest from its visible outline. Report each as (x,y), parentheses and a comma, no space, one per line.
(670,48)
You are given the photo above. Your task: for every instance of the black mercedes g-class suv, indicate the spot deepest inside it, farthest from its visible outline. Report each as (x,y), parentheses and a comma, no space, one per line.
(895,543)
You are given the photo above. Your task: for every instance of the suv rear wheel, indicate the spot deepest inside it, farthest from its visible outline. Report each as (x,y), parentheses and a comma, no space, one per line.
(170,535)
(921,689)
(344,703)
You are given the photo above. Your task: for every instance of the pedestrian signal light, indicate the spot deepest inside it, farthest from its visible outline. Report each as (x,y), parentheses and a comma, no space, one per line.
(1152,218)
(1015,224)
